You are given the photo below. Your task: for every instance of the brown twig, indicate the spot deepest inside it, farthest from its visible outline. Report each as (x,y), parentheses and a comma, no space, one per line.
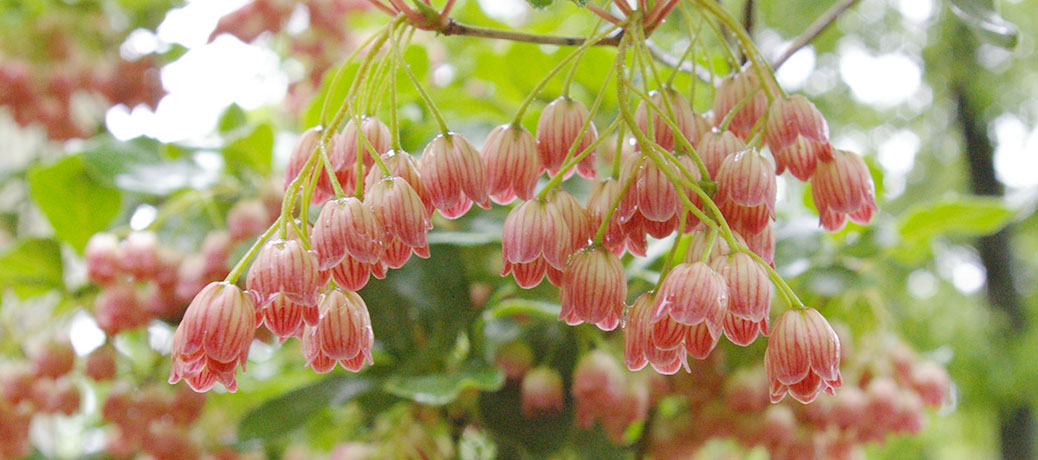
(456,28)
(814,30)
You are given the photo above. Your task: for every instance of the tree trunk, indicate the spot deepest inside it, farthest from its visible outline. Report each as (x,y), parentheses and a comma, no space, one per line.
(1016,419)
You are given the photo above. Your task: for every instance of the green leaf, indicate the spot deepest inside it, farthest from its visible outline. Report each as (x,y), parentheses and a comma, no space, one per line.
(962,216)
(141,165)
(32,267)
(232,118)
(443,388)
(540,3)
(517,306)
(332,88)
(982,16)
(501,414)
(76,205)
(281,415)
(418,310)
(252,152)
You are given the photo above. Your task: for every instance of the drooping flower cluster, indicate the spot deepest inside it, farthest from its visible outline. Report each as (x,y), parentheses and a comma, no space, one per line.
(704,178)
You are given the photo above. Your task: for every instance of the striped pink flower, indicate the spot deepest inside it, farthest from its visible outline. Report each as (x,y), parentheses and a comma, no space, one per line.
(797,135)
(453,174)
(213,337)
(744,85)
(343,333)
(534,229)
(557,130)
(594,288)
(763,243)
(749,294)
(284,317)
(747,220)
(678,110)
(747,179)
(305,146)
(692,294)
(346,226)
(577,221)
(641,344)
(803,356)
(399,211)
(284,266)
(513,167)
(715,146)
(842,189)
(403,165)
(600,200)
(352,274)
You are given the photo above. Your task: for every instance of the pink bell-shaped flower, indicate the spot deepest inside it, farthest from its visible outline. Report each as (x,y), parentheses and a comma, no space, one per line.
(803,356)
(213,338)
(798,136)
(284,266)
(594,288)
(454,175)
(513,167)
(557,130)
(842,189)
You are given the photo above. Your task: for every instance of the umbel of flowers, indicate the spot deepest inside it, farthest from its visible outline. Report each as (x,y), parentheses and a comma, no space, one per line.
(708,178)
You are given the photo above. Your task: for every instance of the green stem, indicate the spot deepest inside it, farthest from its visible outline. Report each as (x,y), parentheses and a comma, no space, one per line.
(421,90)
(551,73)
(600,233)
(767,76)
(232,277)
(570,161)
